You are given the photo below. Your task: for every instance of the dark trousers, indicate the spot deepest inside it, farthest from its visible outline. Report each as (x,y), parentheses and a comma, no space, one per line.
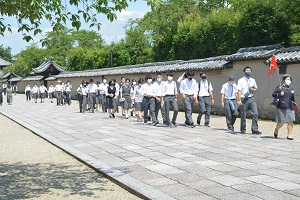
(68,97)
(4,91)
(231,115)
(204,109)
(188,109)
(249,104)
(93,100)
(162,110)
(1,98)
(149,103)
(170,101)
(28,96)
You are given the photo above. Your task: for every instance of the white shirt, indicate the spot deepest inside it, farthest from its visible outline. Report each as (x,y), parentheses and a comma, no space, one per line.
(35,89)
(189,87)
(205,86)
(51,89)
(244,84)
(158,86)
(4,86)
(59,88)
(102,87)
(42,89)
(169,88)
(92,87)
(137,94)
(229,90)
(28,88)
(68,87)
(83,90)
(148,89)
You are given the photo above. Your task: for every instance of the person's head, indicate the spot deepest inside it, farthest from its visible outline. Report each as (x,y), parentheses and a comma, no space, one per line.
(91,81)
(51,84)
(202,75)
(34,84)
(158,77)
(98,82)
(231,80)
(140,82)
(190,74)
(123,80)
(114,80)
(59,82)
(133,82)
(170,76)
(127,81)
(148,79)
(104,80)
(111,82)
(84,83)
(28,84)
(287,79)
(68,82)
(154,80)
(185,75)
(248,71)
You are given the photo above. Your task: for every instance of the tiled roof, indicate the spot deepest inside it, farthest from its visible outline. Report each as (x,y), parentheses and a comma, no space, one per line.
(32,78)
(18,78)
(8,74)
(215,63)
(287,56)
(46,64)
(4,62)
(50,78)
(255,53)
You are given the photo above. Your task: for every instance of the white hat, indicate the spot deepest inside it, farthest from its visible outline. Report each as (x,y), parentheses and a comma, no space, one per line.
(59,81)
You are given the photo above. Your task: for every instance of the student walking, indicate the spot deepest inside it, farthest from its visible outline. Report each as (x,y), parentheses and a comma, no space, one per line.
(228,101)
(189,90)
(169,93)
(112,94)
(42,92)
(1,95)
(58,92)
(205,99)
(68,90)
(4,86)
(159,106)
(125,92)
(82,92)
(247,87)
(138,99)
(35,92)
(50,92)
(9,94)
(92,94)
(28,92)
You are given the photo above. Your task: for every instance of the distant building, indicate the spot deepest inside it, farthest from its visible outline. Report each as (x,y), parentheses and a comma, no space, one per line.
(3,64)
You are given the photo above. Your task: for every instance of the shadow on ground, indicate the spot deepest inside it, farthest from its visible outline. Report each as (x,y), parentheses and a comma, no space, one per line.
(22,181)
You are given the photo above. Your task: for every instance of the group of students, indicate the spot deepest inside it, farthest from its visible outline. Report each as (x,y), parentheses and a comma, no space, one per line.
(8,90)
(61,91)
(148,96)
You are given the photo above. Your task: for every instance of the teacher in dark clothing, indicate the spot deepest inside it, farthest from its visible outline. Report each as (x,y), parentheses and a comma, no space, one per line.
(285,108)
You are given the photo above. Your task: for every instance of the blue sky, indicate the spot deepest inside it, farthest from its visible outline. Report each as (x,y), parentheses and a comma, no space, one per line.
(110,31)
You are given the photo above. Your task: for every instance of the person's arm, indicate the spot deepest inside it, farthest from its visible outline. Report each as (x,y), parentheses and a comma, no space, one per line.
(212,98)
(222,99)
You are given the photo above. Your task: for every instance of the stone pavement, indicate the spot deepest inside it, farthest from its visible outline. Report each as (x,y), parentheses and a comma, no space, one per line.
(163,163)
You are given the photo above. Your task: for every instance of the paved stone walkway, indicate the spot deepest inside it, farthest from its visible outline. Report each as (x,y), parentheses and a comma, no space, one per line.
(163,163)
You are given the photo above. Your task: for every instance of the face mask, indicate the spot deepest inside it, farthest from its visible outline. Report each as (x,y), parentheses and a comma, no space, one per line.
(159,79)
(288,82)
(231,82)
(190,79)
(149,81)
(84,85)
(134,83)
(112,84)
(247,73)
(104,81)
(203,77)
(170,78)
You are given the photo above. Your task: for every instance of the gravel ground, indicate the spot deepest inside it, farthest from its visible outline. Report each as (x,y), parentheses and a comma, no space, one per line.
(31,168)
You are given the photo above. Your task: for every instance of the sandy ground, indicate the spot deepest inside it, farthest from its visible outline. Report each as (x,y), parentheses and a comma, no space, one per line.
(31,168)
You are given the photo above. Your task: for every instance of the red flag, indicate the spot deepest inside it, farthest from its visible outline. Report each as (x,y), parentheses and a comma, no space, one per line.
(273,65)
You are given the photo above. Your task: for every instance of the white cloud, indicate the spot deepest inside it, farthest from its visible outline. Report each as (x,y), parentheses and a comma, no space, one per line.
(125,15)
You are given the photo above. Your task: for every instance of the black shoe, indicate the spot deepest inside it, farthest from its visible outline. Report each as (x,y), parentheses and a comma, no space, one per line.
(113,115)
(207,125)
(131,114)
(174,124)
(289,138)
(170,126)
(256,132)
(243,132)
(192,126)
(155,123)
(198,122)
(149,118)
(275,134)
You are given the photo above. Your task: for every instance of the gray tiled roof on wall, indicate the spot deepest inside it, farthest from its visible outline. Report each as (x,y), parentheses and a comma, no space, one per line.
(215,63)
(8,75)
(254,53)
(18,78)
(4,62)
(32,78)
(45,65)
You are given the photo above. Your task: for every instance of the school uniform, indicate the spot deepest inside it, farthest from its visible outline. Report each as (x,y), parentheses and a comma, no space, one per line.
(34,92)
(149,102)
(58,91)
(9,96)
(42,90)
(111,101)
(50,92)
(158,106)
(126,90)
(4,86)
(92,91)
(189,88)
(83,91)
(102,96)
(138,98)
(1,96)
(230,104)
(248,102)
(27,92)
(204,99)
(169,93)
(68,89)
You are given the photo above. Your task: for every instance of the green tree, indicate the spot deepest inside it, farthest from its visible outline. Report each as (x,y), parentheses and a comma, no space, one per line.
(87,38)
(5,53)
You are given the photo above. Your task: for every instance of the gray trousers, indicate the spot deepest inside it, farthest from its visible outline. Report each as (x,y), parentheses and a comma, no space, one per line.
(93,100)
(170,100)
(84,103)
(1,98)
(188,109)
(249,104)
(204,108)
(162,110)
(230,114)
(149,103)
(59,97)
